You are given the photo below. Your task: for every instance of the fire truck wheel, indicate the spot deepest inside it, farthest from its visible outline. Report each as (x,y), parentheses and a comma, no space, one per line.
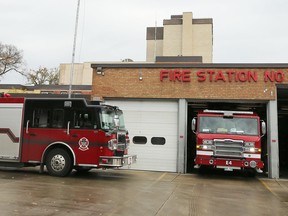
(58,162)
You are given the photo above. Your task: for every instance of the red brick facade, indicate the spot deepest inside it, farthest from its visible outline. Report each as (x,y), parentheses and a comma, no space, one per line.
(201,81)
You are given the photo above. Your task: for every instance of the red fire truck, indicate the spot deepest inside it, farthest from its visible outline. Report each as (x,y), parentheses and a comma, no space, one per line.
(230,140)
(62,134)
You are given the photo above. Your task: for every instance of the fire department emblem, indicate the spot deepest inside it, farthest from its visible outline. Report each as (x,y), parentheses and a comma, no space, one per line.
(83,144)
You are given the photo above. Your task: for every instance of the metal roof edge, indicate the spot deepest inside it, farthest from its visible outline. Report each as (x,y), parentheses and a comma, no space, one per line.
(192,65)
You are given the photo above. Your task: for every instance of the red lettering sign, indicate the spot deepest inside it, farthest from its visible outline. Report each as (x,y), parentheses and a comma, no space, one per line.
(220,76)
(273,76)
(186,76)
(201,75)
(229,75)
(163,74)
(175,75)
(238,75)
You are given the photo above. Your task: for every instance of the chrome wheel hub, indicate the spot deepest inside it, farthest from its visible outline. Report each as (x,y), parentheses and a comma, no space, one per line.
(58,162)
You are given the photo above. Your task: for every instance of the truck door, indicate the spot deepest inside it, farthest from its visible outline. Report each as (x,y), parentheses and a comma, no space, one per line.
(10,130)
(42,127)
(85,136)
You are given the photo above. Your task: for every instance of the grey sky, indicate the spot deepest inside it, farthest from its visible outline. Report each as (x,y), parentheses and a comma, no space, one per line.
(245,31)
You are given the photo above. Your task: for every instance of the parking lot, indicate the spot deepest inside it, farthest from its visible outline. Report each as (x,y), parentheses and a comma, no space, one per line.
(128,192)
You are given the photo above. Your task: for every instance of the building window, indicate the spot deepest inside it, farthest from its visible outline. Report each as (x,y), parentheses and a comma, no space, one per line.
(158,140)
(139,140)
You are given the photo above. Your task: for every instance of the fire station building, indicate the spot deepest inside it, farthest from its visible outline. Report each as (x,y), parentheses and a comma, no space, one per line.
(161,96)
(160,99)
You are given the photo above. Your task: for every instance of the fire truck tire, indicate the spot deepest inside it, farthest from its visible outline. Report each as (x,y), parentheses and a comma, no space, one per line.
(58,162)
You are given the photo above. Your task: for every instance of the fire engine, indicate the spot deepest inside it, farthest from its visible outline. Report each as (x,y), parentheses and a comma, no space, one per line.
(229,140)
(62,134)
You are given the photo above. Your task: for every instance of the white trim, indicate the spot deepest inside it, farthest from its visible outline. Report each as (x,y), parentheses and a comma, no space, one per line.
(11,105)
(204,153)
(87,165)
(62,143)
(257,156)
(31,161)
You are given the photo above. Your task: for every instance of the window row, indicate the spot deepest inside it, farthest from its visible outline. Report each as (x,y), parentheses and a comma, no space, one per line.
(142,140)
(55,118)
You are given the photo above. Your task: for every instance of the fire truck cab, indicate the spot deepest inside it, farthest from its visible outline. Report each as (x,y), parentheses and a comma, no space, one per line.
(229,140)
(62,134)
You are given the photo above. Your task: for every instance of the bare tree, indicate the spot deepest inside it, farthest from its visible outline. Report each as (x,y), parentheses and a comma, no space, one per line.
(43,76)
(11,59)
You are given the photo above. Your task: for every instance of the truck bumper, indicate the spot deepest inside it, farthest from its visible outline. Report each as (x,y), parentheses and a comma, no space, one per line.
(229,164)
(117,161)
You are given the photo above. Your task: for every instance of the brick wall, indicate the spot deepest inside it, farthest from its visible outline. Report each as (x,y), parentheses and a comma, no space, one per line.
(223,83)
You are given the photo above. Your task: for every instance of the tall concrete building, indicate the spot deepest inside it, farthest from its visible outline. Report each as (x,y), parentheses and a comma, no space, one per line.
(182,35)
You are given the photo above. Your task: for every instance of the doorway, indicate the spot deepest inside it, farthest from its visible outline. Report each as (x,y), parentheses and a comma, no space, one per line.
(195,106)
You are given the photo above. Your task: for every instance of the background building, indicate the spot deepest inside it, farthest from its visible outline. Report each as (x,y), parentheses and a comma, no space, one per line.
(46,90)
(82,74)
(181,36)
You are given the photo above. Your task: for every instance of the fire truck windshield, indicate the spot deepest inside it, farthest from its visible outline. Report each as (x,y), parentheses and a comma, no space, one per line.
(107,119)
(222,125)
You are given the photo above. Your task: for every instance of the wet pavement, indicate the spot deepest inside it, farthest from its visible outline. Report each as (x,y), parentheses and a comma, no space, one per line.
(128,192)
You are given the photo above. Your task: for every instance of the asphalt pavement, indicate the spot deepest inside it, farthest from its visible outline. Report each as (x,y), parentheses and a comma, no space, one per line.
(129,192)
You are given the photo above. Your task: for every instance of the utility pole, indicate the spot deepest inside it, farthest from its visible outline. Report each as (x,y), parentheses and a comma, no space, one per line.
(73,52)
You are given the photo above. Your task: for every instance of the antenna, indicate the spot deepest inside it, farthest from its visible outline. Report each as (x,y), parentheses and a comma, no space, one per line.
(73,52)
(155,40)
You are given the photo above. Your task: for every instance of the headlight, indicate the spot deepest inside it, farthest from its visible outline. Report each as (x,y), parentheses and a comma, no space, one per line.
(252,149)
(112,144)
(205,147)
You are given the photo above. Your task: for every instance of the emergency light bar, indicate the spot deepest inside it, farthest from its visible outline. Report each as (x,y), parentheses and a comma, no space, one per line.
(227,113)
(5,95)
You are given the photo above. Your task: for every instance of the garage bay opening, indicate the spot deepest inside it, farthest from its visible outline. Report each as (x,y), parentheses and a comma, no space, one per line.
(227,143)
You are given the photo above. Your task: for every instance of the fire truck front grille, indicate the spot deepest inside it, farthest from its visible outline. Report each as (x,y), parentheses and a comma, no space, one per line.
(121,138)
(121,147)
(228,148)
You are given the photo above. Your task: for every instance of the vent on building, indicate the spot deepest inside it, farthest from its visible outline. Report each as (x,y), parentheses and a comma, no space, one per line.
(179,59)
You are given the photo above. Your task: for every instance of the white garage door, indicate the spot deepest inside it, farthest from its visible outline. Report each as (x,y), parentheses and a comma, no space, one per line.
(152,127)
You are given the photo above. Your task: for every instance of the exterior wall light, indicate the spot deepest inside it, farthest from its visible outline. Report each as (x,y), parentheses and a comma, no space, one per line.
(140,74)
(99,71)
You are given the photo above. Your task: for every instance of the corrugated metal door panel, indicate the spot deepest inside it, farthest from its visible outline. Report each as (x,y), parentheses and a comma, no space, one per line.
(10,124)
(152,119)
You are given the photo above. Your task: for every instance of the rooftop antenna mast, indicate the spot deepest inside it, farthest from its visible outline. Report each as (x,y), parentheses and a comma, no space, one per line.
(73,52)
(155,40)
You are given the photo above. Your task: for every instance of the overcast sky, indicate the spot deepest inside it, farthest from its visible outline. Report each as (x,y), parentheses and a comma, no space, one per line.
(244,31)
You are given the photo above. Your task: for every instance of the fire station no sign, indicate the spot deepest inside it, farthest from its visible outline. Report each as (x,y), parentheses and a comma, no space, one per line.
(229,75)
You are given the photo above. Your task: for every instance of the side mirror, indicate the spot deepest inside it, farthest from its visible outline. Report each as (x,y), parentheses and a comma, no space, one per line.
(116,121)
(263,128)
(193,125)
